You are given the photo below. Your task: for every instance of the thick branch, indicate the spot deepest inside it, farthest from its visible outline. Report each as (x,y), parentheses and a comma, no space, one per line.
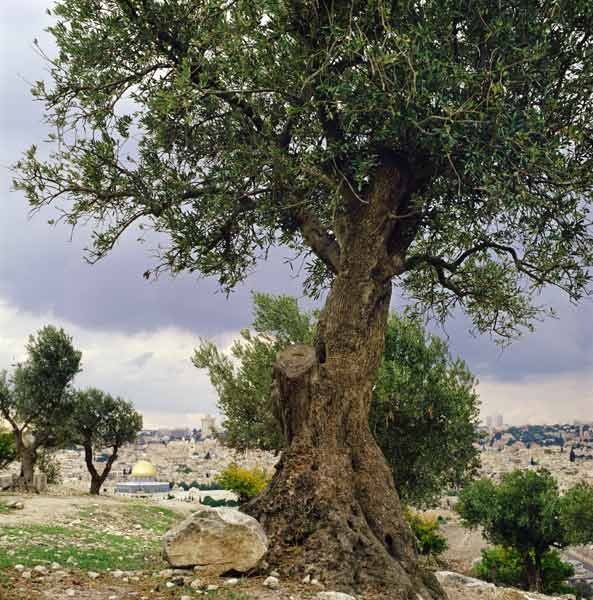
(440,264)
(323,244)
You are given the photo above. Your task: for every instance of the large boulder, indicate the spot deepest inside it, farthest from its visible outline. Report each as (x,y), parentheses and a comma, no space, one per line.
(216,540)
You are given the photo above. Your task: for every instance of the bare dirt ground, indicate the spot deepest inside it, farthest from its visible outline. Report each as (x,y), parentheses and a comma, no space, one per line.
(48,509)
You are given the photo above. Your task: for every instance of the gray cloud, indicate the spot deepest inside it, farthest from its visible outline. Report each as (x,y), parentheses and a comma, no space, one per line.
(43,276)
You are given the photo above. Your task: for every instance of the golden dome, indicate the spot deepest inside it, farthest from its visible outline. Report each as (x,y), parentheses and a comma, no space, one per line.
(143,469)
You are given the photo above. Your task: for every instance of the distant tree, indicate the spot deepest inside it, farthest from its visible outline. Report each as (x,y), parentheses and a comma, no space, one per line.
(7,449)
(526,513)
(100,421)
(423,413)
(35,399)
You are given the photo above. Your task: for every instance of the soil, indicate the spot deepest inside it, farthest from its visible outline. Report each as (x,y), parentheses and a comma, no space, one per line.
(45,509)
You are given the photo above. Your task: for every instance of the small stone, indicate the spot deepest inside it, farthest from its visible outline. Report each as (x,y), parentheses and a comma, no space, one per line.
(211,588)
(317,583)
(170,584)
(118,573)
(137,526)
(275,574)
(113,598)
(59,574)
(333,596)
(19,567)
(185,598)
(40,569)
(272,582)
(233,581)
(70,593)
(55,566)
(166,573)
(16,505)
(196,584)
(307,579)
(93,575)
(71,560)
(26,574)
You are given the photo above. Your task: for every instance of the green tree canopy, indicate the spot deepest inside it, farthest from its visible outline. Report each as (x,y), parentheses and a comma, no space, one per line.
(35,398)
(424,411)
(526,513)
(99,421)
(235,127)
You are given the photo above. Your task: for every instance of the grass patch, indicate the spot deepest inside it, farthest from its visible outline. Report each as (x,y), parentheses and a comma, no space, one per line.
(154,518)
(88,548)
(3,508)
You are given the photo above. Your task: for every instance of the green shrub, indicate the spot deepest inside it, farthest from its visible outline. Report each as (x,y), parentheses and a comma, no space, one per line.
(210,501)
(7,448)
(246,483)
(504,566)
(47,463)
(426,529)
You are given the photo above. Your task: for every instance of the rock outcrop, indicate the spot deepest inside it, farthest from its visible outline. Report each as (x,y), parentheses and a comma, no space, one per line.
(216,540)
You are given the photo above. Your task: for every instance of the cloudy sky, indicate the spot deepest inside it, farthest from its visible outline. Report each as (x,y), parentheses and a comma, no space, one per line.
(137,337)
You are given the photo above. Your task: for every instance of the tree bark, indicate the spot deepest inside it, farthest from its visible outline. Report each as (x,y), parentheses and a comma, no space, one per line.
(332,506)
(27,457)
(97,479)
(533,569)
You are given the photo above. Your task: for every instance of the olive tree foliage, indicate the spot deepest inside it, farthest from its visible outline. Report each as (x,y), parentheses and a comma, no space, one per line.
(99,421)
(231,127)
(424,411)
(7,448)
(525,512)
(243,377)
(35,397)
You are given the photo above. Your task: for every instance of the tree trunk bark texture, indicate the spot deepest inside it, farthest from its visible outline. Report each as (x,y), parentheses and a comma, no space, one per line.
(332,508)
(27,457)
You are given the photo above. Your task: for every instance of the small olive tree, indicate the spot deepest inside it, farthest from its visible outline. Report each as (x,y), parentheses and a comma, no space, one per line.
(526,513)
(35,398)
(100,421)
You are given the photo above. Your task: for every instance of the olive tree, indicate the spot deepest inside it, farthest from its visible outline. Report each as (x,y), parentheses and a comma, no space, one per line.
(525,512)
(445,147)
(423,414)
(99,421)
(35,398)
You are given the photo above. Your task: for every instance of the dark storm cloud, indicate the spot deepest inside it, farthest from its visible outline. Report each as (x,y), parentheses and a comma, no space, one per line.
(42,271)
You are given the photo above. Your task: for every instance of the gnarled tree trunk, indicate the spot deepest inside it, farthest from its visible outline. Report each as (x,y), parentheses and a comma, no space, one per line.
(27,456)
(97,479)
(332,504)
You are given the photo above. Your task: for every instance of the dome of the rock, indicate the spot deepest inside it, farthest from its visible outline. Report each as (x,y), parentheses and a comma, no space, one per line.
(144,470)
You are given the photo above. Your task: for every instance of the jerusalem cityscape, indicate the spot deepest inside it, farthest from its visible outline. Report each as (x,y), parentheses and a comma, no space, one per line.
(296,300)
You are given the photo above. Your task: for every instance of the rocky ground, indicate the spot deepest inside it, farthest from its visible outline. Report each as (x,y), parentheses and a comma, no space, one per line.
(86,548)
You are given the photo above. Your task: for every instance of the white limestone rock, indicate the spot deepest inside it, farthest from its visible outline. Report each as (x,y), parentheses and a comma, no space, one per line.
(333,596)
(272,582)
(450,577)
(216,540)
